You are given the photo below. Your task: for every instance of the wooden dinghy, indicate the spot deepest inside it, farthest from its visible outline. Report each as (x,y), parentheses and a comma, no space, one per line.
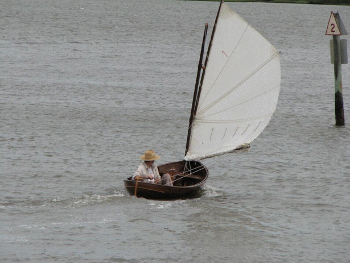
(187,177)
(235,97)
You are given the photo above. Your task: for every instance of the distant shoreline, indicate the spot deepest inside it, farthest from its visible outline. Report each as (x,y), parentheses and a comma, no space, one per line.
(317,2)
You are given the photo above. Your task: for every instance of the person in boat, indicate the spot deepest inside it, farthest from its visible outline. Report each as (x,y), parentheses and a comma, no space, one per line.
(148,170)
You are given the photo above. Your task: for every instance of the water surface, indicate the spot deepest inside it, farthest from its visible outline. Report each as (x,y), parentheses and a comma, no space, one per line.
(88,86)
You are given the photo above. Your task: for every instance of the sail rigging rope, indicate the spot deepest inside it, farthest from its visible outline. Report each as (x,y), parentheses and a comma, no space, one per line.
(189,171)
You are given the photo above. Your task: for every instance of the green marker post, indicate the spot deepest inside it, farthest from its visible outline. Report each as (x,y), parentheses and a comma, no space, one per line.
(339,105)
(336,28)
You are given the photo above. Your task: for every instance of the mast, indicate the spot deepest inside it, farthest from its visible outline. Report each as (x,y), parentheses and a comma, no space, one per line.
(197,90)
(195,94)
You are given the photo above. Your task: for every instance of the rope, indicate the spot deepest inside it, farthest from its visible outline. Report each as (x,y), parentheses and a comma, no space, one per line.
(194,170)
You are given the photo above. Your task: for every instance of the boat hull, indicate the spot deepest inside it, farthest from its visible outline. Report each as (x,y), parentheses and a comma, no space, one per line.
(186,185)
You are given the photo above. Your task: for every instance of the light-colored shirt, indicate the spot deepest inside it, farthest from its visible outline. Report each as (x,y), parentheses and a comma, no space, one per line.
(144,170)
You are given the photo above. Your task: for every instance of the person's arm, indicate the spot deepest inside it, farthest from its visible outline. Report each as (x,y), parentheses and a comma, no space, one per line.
(157,177)
(141,174)
(139,177)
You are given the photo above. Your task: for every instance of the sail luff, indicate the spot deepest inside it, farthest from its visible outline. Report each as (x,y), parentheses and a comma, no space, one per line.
(207,56)
(197,91)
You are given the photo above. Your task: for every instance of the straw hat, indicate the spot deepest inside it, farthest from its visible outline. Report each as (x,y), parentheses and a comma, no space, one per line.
(149,155)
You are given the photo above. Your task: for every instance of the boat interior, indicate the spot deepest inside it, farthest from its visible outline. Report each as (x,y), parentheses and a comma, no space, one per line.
(184,173)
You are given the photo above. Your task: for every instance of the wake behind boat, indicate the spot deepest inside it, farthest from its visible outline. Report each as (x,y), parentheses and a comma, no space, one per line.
(235,96)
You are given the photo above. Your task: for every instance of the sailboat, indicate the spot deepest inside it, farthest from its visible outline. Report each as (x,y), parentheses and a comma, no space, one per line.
(235,97)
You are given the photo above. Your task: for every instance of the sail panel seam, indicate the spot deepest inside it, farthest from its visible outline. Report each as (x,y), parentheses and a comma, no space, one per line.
(270,90)
(237,120)
(240,83)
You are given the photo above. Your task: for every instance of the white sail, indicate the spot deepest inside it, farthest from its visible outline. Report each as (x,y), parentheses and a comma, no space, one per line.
(240,89)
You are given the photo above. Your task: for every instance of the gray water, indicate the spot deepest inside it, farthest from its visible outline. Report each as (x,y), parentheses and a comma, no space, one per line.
(88,86)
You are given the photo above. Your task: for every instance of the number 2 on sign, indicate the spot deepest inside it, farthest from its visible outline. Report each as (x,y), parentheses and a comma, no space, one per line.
(333,26)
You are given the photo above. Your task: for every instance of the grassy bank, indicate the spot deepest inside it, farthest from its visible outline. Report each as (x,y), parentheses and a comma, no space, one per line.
(318,2)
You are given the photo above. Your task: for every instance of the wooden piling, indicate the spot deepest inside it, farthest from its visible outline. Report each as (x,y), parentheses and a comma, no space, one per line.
(339,105)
